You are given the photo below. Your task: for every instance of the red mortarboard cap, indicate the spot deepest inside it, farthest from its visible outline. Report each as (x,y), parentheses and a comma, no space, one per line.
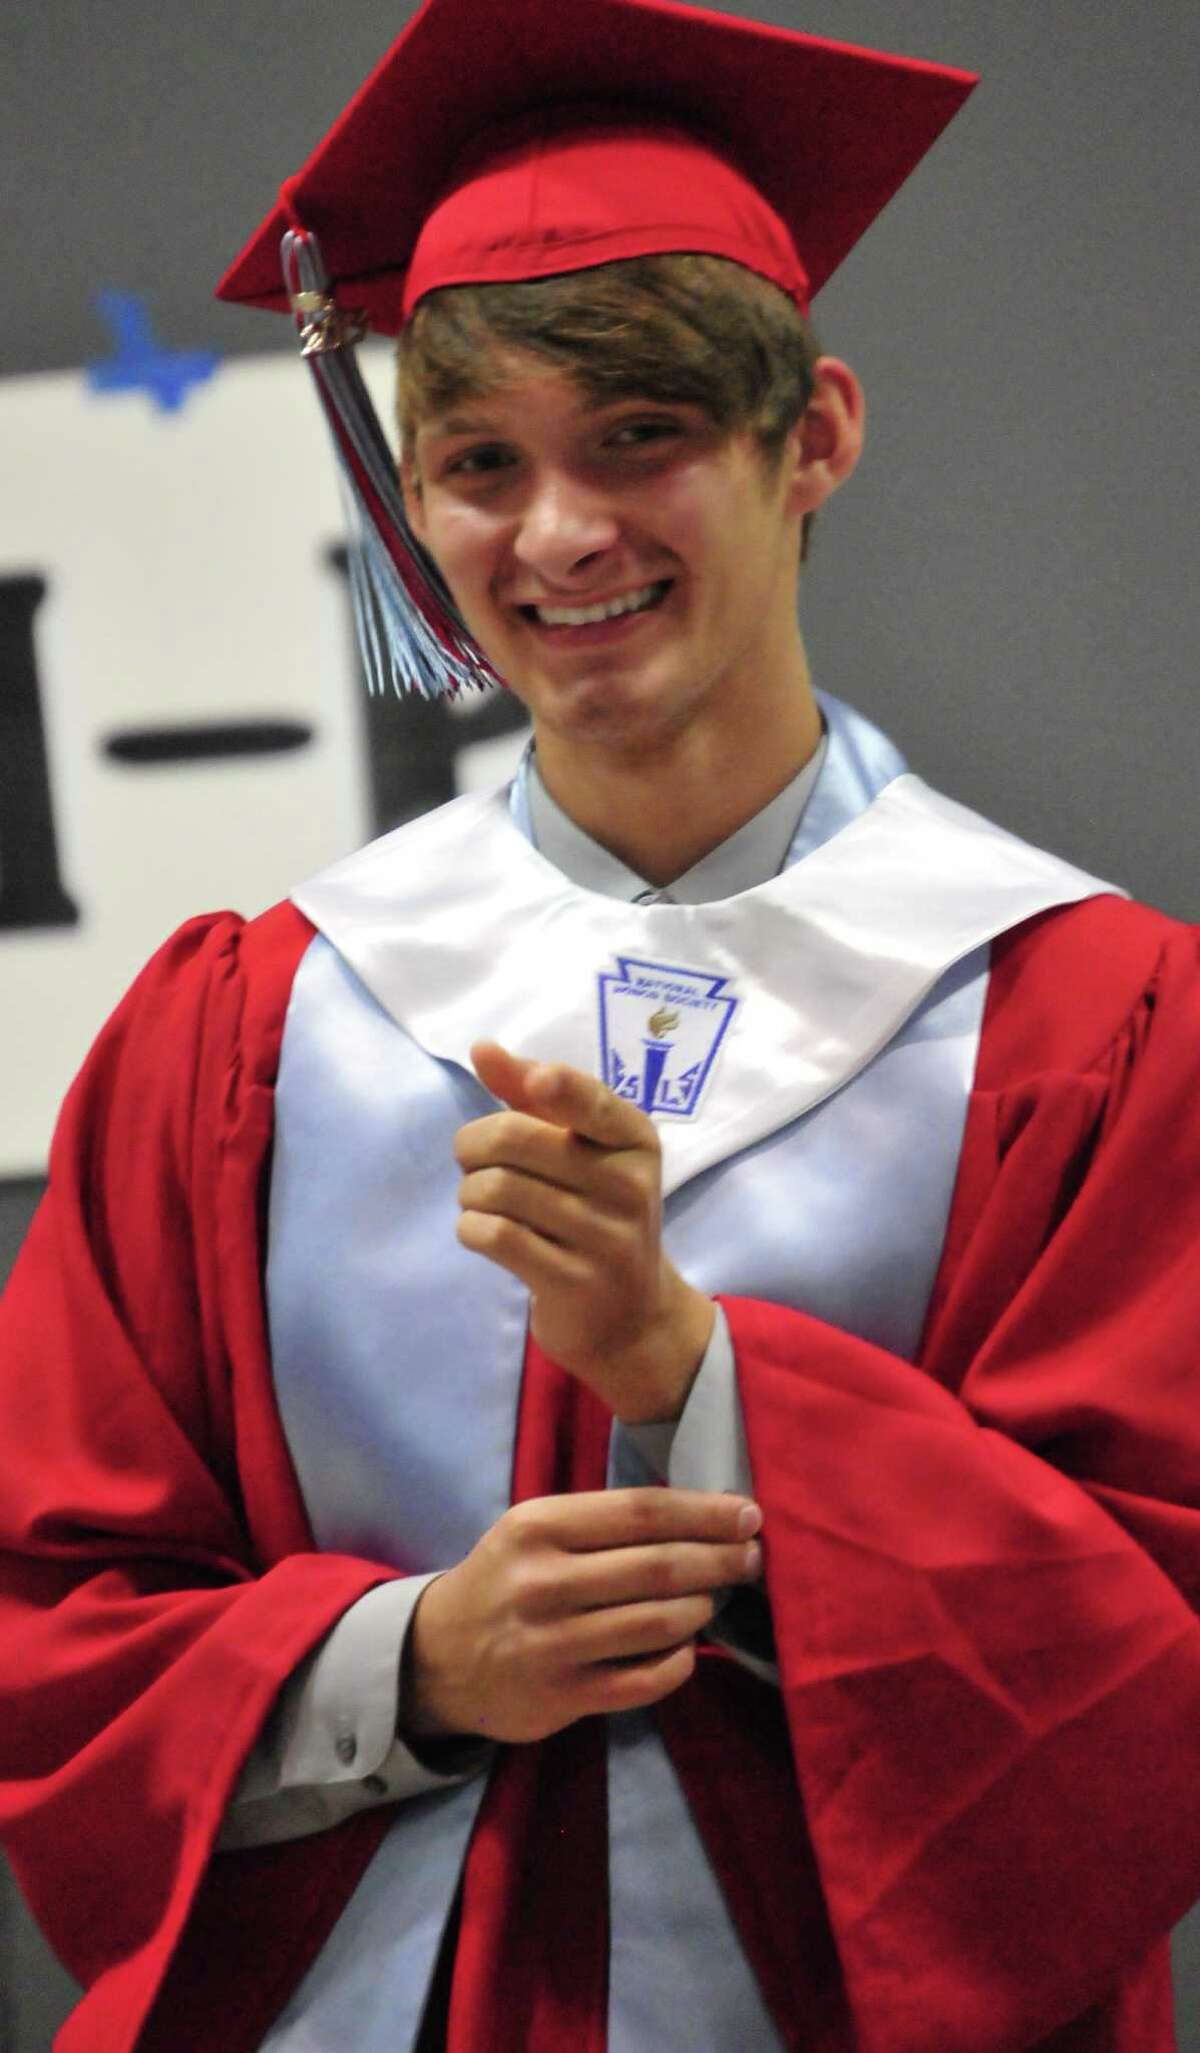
(506,139)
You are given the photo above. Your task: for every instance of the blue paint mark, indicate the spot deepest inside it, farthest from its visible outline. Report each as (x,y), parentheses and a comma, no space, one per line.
(139,363)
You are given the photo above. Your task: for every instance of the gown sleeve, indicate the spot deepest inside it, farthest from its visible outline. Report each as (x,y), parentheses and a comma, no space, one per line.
(984,1567)
(157,1578)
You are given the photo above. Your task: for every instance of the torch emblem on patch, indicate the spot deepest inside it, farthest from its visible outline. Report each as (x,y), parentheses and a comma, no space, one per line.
(660,1029)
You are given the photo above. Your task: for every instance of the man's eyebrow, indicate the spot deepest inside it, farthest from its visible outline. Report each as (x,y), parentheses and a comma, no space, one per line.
(459,424)
(479,424)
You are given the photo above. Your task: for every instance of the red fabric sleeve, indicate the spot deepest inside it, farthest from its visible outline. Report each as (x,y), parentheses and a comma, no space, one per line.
(149,1608)
(983,1570)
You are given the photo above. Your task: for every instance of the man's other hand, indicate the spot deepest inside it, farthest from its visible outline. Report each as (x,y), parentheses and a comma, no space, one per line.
(570,1607)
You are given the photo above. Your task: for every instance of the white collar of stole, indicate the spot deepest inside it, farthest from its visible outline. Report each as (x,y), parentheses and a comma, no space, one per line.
(463,932)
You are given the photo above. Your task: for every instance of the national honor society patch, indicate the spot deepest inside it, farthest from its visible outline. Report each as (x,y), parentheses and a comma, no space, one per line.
(660,1029)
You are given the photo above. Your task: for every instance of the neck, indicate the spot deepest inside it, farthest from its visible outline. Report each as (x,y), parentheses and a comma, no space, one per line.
(662,806)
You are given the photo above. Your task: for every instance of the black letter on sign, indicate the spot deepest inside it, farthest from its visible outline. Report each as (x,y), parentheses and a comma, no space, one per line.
(31,890)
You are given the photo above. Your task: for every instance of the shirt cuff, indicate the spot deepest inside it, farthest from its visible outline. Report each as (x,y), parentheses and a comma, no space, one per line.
(705,1447)
(330,1747)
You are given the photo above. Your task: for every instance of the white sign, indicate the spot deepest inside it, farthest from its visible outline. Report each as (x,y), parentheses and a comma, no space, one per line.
(186,558)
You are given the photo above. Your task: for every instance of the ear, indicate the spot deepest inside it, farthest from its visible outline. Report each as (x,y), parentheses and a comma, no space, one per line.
(828,438)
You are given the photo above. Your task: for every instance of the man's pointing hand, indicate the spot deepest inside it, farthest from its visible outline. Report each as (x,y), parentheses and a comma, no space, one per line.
(564,1190)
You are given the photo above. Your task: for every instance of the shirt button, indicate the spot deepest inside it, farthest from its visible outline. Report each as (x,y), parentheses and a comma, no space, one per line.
(375,1784)
(345,1747)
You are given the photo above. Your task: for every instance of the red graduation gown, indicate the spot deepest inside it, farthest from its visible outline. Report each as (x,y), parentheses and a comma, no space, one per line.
(983,1569)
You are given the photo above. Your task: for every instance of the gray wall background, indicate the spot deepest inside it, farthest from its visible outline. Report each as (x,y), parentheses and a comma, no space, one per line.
(1009,584)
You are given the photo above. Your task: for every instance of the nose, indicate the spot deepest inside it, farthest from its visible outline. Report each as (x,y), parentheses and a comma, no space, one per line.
(564,525)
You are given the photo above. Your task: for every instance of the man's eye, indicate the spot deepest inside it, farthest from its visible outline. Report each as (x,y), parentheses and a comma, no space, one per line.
(633,434)
(477,462)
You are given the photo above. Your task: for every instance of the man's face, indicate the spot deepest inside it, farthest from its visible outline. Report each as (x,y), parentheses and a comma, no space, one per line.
(546,511)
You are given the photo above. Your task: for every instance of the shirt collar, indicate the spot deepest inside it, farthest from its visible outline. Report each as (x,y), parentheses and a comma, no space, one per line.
(748,857)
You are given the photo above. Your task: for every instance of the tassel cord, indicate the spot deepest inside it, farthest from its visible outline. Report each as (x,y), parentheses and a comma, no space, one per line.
(410,633)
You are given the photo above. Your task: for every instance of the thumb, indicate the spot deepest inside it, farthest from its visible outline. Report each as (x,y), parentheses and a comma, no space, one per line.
(502,1074)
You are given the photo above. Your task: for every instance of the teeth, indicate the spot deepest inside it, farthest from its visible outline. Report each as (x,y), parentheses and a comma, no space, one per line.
(586,616)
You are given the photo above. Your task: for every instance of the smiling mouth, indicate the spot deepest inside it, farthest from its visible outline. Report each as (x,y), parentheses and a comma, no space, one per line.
(641,601)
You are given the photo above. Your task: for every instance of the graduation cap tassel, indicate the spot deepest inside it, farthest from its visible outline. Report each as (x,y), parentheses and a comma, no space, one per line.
(410,633)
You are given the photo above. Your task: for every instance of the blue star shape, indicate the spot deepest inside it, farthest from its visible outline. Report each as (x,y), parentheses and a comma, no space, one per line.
(139,363)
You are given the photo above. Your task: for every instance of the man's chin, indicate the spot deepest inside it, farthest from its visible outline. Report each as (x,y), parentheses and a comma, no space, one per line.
(611,714)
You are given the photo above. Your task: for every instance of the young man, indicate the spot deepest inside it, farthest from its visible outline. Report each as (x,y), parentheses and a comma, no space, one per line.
(373,1421)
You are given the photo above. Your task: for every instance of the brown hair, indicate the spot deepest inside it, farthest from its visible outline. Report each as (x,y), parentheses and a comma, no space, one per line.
(680,328)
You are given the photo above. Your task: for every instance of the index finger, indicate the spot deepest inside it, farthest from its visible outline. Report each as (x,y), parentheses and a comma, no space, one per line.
(591,1520)
(570,1097)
